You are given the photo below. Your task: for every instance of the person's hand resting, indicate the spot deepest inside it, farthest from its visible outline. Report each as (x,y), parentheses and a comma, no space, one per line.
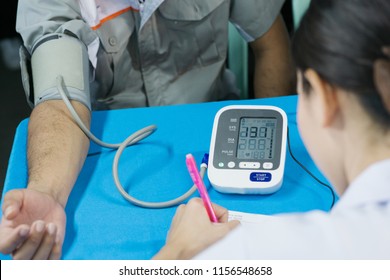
(192,231)
(32,226)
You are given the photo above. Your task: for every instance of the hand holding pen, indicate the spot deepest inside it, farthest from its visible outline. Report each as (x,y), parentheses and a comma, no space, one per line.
(192,231)
(194,172)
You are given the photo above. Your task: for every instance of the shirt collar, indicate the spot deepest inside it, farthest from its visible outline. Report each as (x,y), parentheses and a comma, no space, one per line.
(371,186)
(147,10)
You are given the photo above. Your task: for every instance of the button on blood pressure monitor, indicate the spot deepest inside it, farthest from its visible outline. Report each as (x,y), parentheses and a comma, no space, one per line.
(248,149)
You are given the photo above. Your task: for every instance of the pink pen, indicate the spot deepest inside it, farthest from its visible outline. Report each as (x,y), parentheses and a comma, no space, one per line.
(194,172)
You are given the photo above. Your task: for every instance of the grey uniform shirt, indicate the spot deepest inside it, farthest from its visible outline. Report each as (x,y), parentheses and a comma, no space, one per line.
(150,52)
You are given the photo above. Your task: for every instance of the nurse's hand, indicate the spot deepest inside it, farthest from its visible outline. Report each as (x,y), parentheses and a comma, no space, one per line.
(192,231)
(32,226)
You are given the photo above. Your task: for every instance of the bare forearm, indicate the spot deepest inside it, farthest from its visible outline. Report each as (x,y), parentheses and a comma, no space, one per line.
(274,69)
(273,78)
(56,148)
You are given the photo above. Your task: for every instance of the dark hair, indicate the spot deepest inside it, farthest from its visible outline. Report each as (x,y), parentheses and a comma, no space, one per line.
(341,40)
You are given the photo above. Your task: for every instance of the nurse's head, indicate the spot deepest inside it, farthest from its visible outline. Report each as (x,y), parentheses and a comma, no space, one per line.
(344,95)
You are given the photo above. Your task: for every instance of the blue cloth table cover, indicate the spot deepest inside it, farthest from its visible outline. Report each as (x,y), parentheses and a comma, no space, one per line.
(101,224)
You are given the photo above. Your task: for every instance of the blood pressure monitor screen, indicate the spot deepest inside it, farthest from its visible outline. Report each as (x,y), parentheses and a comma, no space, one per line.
(247,149)
(256,138)
(248,139)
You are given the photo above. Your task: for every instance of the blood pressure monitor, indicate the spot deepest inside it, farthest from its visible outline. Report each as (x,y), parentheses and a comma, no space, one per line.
(248,149)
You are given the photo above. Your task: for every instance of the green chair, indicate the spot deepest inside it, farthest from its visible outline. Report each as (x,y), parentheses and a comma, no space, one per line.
(299,8)
(238,60)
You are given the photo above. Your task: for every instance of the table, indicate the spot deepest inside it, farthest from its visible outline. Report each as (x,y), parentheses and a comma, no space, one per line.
(103,225)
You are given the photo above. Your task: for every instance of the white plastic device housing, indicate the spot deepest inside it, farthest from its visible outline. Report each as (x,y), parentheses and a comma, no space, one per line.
(237,180)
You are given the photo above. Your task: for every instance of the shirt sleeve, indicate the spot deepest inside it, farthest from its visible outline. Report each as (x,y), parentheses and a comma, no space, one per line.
(36,19)
(356,233)
(289,236)
(253,18)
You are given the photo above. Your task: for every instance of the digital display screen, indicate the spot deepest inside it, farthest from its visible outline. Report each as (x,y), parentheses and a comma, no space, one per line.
(256,138)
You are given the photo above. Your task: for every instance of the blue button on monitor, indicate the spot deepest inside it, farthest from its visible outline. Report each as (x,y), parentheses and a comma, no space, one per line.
(260,177)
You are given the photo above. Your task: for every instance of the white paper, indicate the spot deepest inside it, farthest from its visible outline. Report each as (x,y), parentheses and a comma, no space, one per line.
(247,218)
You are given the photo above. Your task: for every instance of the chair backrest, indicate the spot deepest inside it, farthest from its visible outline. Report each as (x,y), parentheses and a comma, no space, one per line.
(238,60)
(299,8)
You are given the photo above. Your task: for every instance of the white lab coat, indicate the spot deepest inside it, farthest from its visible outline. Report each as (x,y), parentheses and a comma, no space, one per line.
(358,227)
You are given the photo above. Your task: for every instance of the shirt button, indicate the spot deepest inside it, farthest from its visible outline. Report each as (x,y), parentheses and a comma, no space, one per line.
(112,41)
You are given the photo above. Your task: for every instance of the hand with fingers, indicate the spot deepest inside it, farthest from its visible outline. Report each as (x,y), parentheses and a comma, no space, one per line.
(192,231)
(32,226)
